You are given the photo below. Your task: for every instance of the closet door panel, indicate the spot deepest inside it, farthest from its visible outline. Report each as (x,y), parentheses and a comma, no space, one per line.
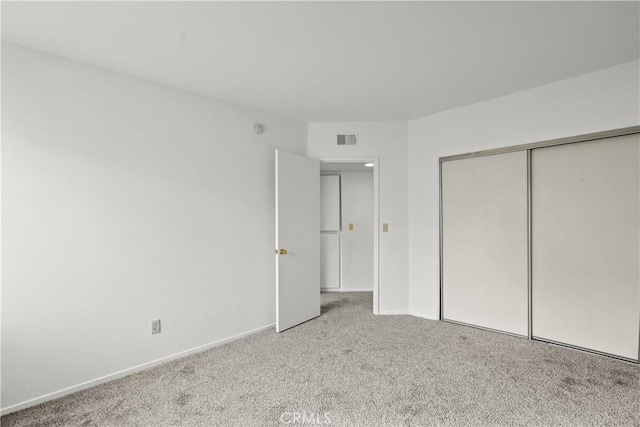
(484,241)
(330,203)
(329,260)
(585,245)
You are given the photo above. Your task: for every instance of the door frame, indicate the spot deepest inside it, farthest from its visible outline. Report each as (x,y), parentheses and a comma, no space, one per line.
(376,218)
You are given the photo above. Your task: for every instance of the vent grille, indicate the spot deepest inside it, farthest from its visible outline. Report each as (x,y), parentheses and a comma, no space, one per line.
(347,139)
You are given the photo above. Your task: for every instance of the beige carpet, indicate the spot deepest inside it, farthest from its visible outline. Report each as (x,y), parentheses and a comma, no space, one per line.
(349,367)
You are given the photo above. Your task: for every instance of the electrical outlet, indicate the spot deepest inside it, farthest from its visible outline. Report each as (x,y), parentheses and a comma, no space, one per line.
(385,228)
(155,326)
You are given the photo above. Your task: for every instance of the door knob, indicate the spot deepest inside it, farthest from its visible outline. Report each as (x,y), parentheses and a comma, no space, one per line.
(283,251)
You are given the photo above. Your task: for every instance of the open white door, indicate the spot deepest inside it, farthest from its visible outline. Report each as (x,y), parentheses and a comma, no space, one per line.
(297,239)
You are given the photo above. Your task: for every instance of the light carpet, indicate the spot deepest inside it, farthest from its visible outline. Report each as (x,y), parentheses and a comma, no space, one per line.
(349,367)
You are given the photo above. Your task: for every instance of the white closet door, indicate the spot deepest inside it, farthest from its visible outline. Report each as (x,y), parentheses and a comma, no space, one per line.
(484,237)
(330,203)
(329,260)
(585,247)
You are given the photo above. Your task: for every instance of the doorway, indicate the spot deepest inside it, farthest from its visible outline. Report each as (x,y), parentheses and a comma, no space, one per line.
(349,231)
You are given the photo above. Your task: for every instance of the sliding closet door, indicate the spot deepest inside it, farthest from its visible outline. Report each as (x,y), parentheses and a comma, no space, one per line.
(484,241)
(585,246)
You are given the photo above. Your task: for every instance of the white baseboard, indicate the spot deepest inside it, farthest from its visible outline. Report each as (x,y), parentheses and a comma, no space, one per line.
(391,313)
(345,290)
(116,375)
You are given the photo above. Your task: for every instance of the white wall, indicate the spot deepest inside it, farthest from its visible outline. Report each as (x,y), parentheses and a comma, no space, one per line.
(126,201)
(604,100)
(357,244)
(388,142)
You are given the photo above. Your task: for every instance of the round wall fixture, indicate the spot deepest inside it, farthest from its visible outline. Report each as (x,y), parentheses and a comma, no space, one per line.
(258,128)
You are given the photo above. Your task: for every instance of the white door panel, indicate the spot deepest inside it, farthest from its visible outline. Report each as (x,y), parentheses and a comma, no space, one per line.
(484,226)
(330,203)
(297,233)
(330,261)
(585,245)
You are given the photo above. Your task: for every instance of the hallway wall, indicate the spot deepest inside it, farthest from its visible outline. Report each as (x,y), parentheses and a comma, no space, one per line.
(387,141)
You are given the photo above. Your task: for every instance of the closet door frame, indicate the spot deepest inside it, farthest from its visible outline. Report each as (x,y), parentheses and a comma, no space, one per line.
(528,148)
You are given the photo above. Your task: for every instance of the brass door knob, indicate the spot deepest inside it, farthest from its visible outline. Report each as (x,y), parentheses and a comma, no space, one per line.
(283,251)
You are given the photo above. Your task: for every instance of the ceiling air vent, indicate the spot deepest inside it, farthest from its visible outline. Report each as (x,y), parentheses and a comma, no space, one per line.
(348,139)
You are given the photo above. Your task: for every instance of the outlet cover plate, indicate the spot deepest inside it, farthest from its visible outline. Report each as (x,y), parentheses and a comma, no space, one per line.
(155,326)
